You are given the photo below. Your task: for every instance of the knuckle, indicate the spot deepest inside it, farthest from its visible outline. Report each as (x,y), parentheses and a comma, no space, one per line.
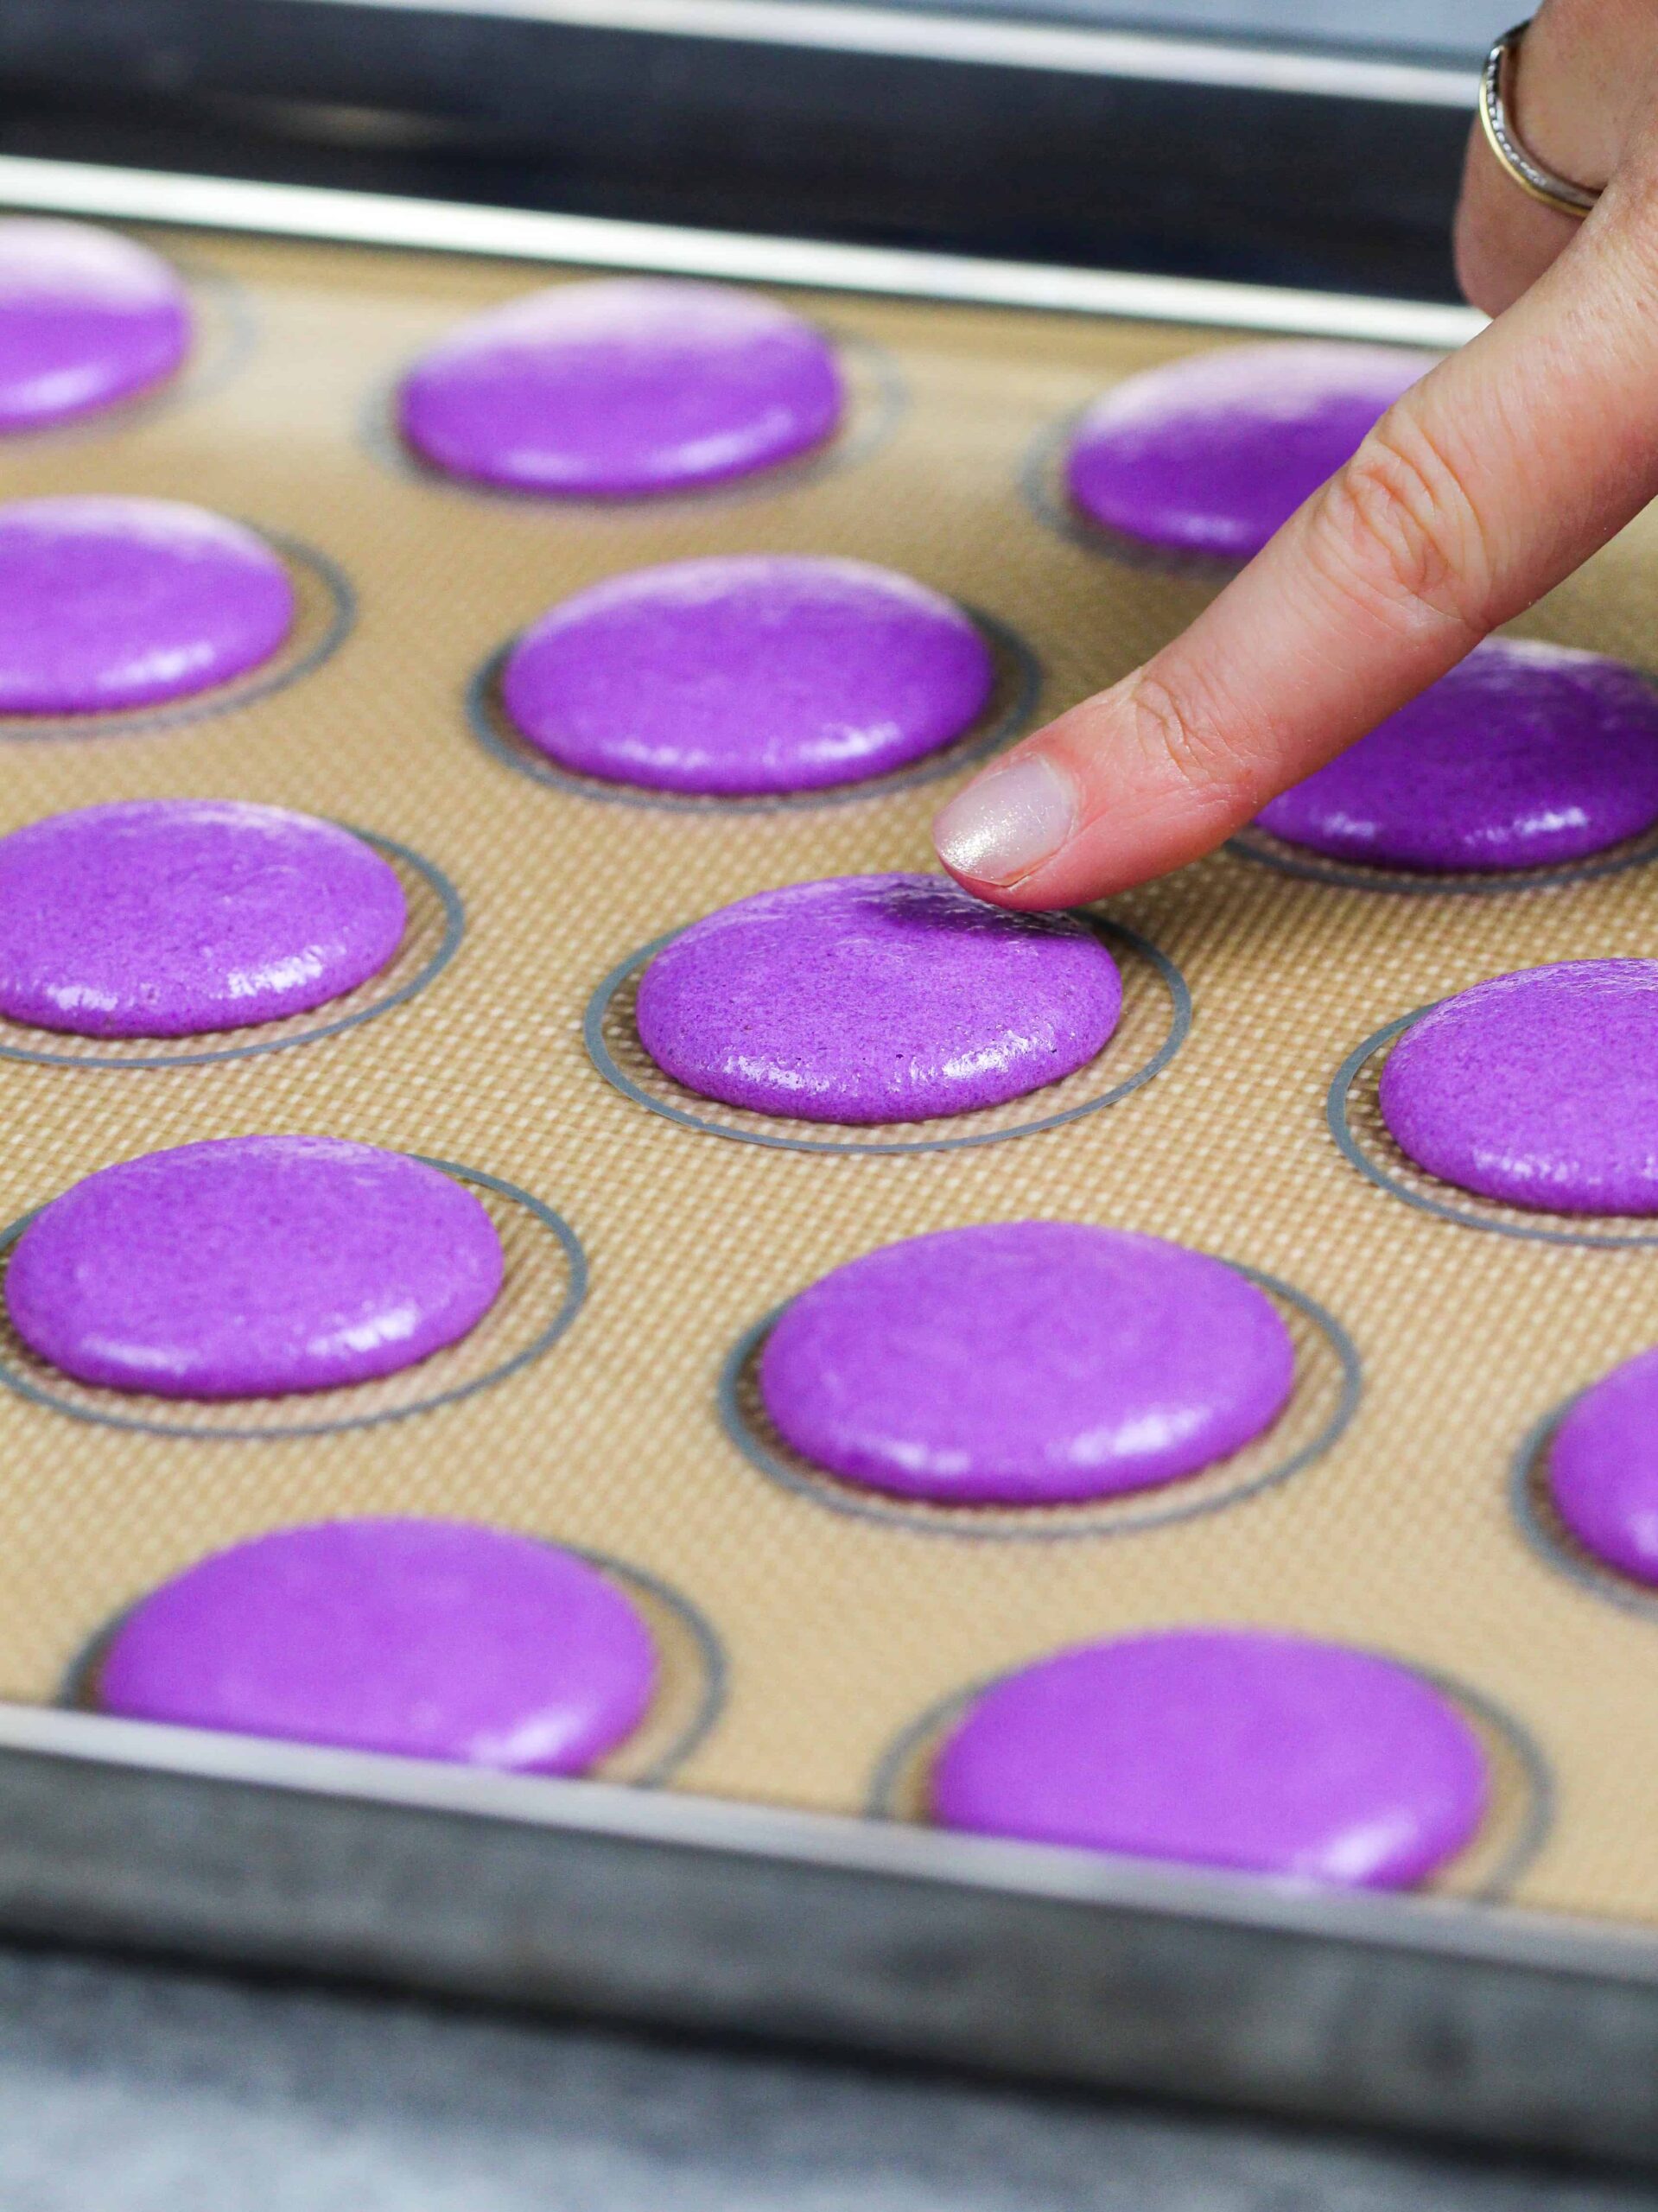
(1179,726)
(1398,527)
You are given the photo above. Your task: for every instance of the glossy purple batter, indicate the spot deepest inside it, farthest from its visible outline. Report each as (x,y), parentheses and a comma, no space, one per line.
(86,318)
(121,602)
(875,998)
(621,387)
(170,917)
(1025,1364)
(250,1266)
(428,1639)
(768,673)
(1212,454)
(1524,756)
(1539,1089)
(1603,1468)
(1222,1747)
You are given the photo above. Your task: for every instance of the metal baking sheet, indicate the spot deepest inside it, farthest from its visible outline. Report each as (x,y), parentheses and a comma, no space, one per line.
(761,1866)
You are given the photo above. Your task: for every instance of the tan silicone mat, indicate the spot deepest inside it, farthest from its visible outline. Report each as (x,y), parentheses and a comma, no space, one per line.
(841,1631)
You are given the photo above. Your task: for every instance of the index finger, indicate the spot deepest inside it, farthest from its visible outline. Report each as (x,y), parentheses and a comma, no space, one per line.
(1490,480)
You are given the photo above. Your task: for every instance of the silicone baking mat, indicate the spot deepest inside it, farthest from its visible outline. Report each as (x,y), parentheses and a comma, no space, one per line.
(812,1639)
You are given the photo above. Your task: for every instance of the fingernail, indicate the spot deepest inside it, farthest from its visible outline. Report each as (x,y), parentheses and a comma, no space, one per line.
(1007,823)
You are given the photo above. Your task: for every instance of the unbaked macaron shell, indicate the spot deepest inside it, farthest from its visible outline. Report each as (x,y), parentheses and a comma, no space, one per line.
(252,1267)
(1027,1363)
(86,318)
(1212,454)
(1536,1089)
(623,387)
(426,1639)
(1526,755)
(875,998)
(107,603)
(1603,1469)
(1231,1748)
(735,677)
(176,918)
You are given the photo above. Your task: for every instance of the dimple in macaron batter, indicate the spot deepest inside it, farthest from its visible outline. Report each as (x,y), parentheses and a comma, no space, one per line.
(1526,755)
(172,918)
(1031,1362)
(427,1639)
(755,674)
(1226,1747)
(1537,1089)
(623,387)
(875,998)
(1212,454)
(86,318)
(108,602)
(251,1267)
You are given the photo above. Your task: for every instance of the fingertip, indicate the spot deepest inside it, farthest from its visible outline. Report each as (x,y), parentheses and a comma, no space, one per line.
(1080,811)
(1007,823)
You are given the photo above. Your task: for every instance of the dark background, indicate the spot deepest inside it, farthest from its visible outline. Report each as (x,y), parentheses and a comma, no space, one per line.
(1170,176)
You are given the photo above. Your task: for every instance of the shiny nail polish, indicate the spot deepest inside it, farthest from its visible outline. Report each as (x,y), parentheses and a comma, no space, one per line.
(1007,823)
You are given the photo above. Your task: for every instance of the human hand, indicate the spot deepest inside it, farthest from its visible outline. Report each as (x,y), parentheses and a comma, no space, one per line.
(1492,480)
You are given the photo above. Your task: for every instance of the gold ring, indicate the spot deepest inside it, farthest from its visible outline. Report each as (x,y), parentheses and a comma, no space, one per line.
(1556,192)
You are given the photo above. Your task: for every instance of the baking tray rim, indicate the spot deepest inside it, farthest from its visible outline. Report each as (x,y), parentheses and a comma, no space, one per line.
(326,214)
(845,1843)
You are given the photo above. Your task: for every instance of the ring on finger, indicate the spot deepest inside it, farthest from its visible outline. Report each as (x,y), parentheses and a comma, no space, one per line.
(1504,141)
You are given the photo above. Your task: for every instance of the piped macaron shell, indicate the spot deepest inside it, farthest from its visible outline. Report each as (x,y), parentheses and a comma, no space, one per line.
(424,1639)
(1526,755)
(87,318)
(622,387)
(253,1267)
(175,918)
(109,602)
(1603,1469)
(1031,1362)
(875,998)
(1222,1747)
(1537,1089)
(1212,454)
(748,675)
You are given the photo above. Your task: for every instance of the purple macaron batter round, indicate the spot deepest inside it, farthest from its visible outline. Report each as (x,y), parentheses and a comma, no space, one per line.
(426,1639)
(1537,1089)
(172,918)
(1224,1747)
(110,602)
(1030,1363)
(252,1267)
(621,387)
(763,673)
(875,998)
(86,318)
(1213,454)
(1603,1468)
(1526,755)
